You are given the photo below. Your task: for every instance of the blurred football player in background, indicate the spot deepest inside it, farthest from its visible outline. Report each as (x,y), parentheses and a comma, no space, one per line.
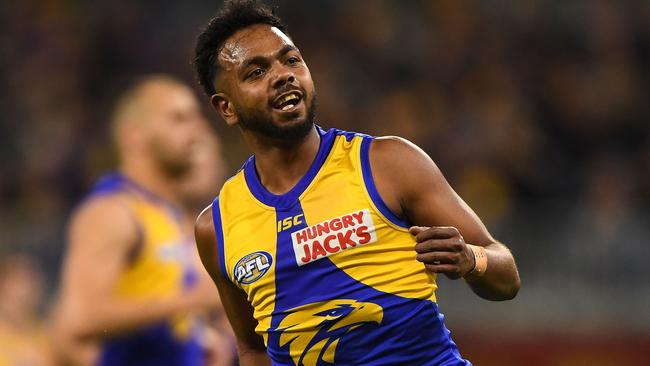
(131,289)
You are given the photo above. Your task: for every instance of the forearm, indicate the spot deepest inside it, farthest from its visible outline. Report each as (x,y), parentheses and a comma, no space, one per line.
(501,279)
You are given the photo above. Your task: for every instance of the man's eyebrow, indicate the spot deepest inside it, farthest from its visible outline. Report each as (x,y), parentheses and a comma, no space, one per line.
(286,49)
(257,60)
(261,60)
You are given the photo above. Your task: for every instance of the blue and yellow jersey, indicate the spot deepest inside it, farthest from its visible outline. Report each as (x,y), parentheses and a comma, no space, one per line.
(160,266)
(329,270)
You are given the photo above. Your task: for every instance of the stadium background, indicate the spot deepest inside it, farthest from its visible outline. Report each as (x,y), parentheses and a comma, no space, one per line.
(538,112)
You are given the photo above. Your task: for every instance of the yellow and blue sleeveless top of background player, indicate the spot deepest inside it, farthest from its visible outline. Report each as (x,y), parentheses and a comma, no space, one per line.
(329,269)
(160,266)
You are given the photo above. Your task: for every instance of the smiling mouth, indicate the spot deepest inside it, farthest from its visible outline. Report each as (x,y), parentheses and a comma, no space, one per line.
(287,101)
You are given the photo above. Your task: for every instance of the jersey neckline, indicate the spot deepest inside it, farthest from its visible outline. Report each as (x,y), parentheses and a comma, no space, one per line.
(117,180)
(287,200)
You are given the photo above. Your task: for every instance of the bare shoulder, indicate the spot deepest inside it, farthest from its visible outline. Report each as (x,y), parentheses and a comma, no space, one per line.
(112,205)
(204,226)
(103,216)
(398,153)
(206,240)
(392,142)
(402,171)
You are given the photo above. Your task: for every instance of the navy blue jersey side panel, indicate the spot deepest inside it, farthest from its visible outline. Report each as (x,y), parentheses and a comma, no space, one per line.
(218,229)
(153,346)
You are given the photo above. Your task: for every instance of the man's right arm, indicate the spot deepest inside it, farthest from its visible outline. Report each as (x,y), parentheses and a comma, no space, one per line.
(101,234)
(252,351)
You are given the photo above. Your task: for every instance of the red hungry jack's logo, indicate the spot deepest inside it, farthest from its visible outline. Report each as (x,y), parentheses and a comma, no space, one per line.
(332,236)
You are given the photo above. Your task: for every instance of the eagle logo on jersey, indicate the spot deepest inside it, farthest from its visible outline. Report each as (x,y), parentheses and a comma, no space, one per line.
(313,331)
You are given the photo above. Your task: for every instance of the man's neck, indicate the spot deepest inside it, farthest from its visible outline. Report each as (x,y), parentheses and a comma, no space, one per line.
(280,167)
(146,175)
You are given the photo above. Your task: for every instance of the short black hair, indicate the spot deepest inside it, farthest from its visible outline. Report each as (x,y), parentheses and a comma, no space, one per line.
(235,15)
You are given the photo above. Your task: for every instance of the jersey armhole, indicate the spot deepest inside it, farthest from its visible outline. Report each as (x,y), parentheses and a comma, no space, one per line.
(138,247)
(371,188)
(218,229)
(135,250)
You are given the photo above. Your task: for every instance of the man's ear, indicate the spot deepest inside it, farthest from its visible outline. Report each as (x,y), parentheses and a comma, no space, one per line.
(221,103)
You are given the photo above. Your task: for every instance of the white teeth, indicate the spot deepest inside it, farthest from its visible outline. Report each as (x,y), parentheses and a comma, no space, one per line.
(287,107)
(287,98)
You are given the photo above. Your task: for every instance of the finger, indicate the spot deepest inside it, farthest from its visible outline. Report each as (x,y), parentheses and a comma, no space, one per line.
(437,232)
(450,270)
(415,230)
(440,245)
(438,258)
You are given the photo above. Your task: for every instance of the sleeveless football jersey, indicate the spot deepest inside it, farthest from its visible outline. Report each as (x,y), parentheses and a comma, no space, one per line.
(161,266)
(329,270)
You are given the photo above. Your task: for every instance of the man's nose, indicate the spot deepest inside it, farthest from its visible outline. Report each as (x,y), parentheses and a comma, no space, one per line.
(284,76)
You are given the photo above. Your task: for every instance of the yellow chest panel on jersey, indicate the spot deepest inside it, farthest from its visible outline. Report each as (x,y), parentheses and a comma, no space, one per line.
(161,258)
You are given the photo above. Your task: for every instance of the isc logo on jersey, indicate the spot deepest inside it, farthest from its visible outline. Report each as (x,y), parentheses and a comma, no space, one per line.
(332,236)
(252,267)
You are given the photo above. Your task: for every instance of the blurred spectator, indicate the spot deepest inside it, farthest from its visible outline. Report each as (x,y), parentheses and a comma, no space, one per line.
(22,335)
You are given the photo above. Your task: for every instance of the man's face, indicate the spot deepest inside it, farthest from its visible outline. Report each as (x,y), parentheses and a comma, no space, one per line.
(266,84)
(174,124)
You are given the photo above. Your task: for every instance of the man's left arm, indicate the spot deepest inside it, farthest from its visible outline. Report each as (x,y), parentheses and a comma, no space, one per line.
(413,187)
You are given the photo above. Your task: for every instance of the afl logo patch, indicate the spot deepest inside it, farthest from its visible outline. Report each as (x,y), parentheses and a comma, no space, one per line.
(252,267)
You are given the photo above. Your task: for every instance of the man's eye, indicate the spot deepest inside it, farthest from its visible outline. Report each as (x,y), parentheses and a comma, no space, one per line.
(293,60)
(256,73)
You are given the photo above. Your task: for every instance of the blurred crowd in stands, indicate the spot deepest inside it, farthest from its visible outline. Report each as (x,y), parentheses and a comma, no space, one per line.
(537,112)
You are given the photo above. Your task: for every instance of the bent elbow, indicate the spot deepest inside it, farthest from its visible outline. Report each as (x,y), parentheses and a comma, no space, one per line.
(501,292)
(512,290)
